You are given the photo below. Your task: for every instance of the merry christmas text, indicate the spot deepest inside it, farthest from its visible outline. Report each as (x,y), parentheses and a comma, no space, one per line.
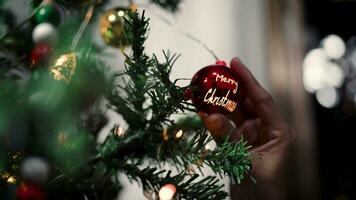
(228,104)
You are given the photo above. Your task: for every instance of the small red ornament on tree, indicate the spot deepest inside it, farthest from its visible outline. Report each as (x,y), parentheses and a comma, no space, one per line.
(215,89)
(40,54)
(29,192)
(188,93)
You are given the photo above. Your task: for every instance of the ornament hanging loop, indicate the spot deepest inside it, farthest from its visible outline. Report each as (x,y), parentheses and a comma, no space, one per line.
(195,39)
(83,25)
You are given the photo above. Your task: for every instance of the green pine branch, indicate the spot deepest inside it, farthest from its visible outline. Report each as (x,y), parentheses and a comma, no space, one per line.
(188,187)
(232,159)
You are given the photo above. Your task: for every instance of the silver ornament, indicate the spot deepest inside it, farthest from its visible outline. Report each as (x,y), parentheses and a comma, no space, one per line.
(45,33)
(35,170)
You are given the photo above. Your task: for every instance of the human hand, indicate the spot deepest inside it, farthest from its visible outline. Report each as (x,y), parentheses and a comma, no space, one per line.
(261,125)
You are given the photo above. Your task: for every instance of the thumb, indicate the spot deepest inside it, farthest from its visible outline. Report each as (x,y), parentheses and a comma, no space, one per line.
(218,125)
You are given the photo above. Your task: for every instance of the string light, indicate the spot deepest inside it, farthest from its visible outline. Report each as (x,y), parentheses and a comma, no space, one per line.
(179,134)
(8,178)
(112,18)
(207,147)
(121,13)
(119,131)
(167,192)
(11,180)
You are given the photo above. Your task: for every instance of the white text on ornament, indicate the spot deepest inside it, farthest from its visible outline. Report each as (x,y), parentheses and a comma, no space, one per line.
(227,80)
(210,98)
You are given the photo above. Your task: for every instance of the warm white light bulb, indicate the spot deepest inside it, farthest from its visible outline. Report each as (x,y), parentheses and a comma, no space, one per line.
(119,131)
(121,13)
(167,192)
(179,134)
(112,18)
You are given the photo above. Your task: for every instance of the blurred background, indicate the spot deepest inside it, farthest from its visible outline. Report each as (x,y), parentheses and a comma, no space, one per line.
(302,51)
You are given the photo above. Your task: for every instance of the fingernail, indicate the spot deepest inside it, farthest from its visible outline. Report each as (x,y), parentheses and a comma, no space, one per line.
(237,58)
(235,61)
(214,123)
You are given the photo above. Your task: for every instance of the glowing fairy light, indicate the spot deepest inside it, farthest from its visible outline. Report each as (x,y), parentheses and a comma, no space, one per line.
(207,147)
(120,13)
(112,18)
(119,131)
(11,180)
(167,192)
(8,178)
(179,134)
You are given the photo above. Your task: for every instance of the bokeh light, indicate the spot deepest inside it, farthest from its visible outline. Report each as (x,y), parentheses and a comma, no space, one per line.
(315,57)
(327,97)
(333,75)
(334,46)
(312,78)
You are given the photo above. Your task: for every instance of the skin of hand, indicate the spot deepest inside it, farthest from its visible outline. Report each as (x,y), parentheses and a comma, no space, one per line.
(257,120)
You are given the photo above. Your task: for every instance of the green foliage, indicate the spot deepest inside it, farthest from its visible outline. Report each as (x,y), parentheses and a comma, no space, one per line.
(231,159)
(153,179)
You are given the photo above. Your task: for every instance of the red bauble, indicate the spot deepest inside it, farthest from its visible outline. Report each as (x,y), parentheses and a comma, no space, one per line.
(215,89)
(188,93)
(29,192)
(40,54)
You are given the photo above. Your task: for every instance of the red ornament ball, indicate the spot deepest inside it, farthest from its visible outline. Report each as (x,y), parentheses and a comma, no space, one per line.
(29,192)
(188,93)
(40,54)
(215,89)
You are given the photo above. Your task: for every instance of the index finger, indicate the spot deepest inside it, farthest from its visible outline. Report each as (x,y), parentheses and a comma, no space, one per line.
(260,99)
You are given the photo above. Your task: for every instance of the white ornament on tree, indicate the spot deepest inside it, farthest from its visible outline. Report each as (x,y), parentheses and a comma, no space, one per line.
(35,170)
(44,33)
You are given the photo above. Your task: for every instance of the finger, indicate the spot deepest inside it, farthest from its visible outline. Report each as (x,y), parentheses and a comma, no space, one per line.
(238,116)
(244,112)
(248,132)
(218,125)
(261,100)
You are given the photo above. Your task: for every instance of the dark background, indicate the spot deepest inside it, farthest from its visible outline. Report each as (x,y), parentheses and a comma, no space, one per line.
(336,127)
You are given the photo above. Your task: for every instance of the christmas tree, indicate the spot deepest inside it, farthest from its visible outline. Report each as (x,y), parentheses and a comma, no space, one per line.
(54,94)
